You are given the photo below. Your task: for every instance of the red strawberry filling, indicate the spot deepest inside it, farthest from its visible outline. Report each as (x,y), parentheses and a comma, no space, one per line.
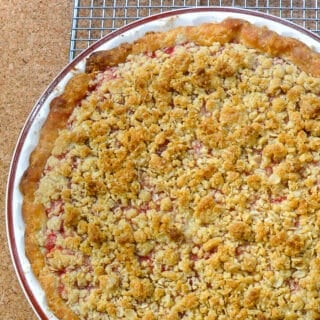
(50,241)
(56,208)
(169,50)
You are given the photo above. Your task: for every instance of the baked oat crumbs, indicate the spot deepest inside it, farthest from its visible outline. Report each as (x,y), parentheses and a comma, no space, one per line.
(186,186)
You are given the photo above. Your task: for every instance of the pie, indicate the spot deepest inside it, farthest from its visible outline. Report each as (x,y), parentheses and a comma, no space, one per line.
(178,177)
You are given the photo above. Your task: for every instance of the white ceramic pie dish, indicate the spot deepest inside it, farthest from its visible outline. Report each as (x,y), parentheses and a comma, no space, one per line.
(30,133)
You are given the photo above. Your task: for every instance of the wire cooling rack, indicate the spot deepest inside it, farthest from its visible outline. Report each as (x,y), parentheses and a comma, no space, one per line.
(92,19)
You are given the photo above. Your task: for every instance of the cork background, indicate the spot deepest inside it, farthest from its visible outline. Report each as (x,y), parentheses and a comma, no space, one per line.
(34,47)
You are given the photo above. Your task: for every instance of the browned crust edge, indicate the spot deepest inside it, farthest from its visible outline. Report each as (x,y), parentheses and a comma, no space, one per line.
(229,30)
(34,214)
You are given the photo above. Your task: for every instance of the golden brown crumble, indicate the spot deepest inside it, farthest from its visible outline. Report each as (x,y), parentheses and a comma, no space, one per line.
(186,186)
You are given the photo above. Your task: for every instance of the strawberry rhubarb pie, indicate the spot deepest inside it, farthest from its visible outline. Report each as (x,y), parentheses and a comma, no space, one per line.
(178,177)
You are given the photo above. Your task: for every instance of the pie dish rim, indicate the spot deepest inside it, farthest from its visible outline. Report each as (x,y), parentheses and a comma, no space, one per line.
(21,270)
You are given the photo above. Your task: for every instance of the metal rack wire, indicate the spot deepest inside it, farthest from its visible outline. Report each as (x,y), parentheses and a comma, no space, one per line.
(92,19)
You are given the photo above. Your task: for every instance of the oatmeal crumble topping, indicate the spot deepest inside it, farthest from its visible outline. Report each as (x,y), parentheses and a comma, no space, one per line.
(186,186)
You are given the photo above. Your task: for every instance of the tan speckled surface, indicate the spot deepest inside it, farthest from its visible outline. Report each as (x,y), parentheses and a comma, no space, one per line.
(34,46)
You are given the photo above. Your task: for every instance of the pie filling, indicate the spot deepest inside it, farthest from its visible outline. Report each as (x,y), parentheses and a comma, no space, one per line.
(186,186)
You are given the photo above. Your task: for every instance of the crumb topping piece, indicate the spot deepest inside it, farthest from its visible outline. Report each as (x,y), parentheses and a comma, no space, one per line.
(186,186)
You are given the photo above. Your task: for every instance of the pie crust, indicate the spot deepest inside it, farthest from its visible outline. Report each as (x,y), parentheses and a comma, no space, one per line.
(178,178)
